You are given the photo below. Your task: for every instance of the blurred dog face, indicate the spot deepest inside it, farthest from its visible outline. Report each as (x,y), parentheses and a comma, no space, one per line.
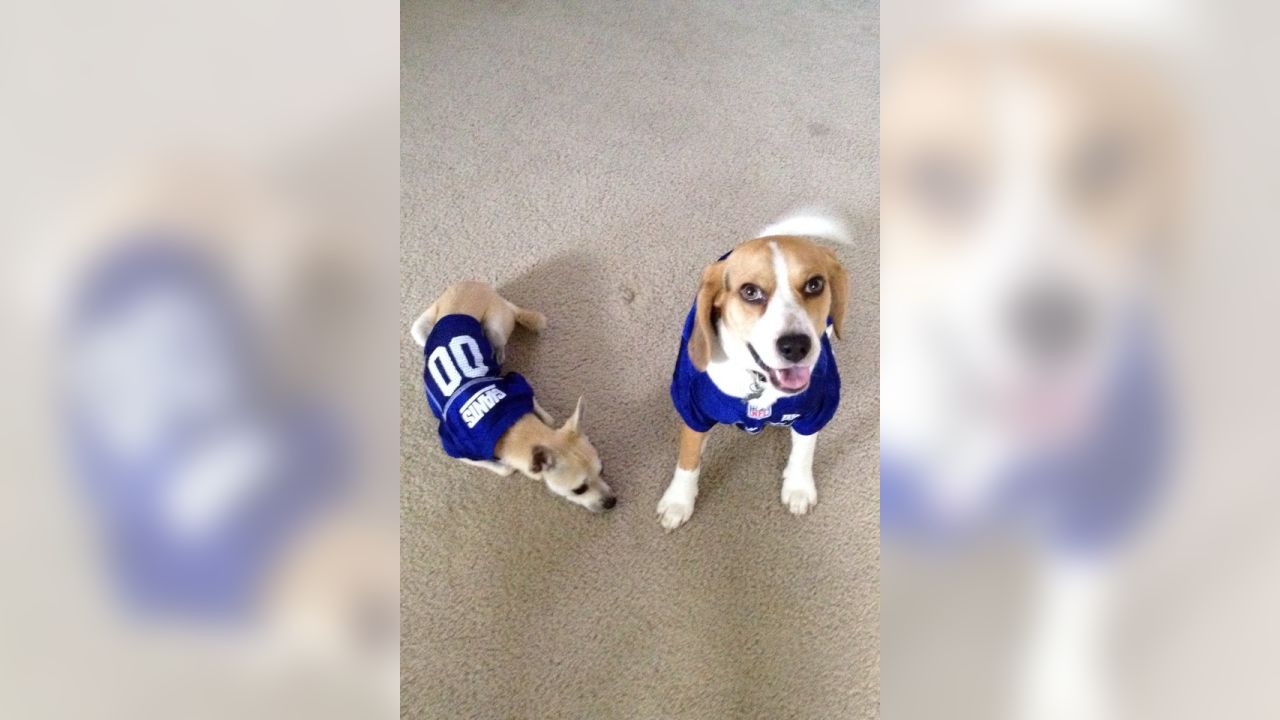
(334,600)
(1023,190)
(767,305)
(571,467)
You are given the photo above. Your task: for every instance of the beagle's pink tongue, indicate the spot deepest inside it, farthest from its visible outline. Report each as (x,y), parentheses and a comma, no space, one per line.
(793,378)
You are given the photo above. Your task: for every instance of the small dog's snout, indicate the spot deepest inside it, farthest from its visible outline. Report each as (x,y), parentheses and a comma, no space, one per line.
(794,347)
(1049,322)
(609,502)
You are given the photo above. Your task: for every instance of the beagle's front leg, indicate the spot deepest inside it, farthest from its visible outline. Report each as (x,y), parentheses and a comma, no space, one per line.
(798,491)
(676,505)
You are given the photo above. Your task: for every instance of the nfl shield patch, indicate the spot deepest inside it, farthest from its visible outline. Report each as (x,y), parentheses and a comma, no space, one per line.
(759,412)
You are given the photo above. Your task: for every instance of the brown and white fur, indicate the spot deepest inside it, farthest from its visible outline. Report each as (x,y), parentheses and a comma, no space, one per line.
(561,457)
(771,293)
(1018,176)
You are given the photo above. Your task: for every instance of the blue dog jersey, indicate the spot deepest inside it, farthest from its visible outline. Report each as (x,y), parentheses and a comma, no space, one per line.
(702,405)
(474,403)
(1085,499)
(196,477)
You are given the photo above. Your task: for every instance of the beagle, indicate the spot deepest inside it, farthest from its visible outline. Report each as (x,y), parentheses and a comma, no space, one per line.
(492,420)
(756,351)
(1031,188)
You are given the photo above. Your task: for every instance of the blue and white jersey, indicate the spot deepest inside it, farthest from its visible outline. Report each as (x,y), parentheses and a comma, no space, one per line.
(702,405)
(473,401)
(197,470)
(1084,499)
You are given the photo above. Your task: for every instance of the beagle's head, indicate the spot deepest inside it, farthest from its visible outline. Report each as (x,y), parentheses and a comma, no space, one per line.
(570,466)
(1031,192)
(765,307)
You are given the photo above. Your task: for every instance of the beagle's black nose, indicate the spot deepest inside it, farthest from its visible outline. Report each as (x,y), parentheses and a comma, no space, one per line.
(609,502)
(794,347)
(1050,322)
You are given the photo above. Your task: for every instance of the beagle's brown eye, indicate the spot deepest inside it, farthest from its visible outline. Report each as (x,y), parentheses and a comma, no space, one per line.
(580,489)
(814,286)
(751,294)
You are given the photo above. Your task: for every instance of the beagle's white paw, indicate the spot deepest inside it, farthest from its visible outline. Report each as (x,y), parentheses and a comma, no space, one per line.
(798,492)
(673,513)
(676,505)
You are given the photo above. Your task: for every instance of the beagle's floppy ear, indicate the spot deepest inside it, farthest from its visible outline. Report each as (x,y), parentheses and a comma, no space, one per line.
(703,331)
(572,423)
(839,283)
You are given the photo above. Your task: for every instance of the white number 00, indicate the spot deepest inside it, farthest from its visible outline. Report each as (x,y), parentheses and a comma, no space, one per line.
(463,354)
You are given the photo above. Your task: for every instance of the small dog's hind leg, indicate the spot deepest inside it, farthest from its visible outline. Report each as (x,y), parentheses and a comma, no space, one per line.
(543,415)
(531,319)
(497,328)
(421,325)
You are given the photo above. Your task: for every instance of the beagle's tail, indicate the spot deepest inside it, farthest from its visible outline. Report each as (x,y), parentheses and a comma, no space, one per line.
(422,324)
(811,223)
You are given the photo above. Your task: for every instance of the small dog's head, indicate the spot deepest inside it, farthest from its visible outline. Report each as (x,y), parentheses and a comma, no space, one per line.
(570,466)
(767,304)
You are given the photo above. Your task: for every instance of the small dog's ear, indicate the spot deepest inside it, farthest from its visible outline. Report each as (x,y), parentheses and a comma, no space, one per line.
(839,282)
(542,459)
(572,423)
(703,331)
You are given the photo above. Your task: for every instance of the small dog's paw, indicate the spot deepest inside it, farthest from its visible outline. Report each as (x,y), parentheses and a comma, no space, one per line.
(674,512)
(799,495)
(499,352)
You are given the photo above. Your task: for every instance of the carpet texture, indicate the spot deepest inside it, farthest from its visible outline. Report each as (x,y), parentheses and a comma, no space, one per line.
(589,159)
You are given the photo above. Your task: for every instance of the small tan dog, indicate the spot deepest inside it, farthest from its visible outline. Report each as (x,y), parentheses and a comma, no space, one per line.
(491,420)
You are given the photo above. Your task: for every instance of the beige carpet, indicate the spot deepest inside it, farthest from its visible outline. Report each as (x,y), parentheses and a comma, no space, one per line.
(589,159)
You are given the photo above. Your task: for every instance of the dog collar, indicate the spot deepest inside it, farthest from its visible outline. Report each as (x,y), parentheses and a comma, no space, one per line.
(758,379)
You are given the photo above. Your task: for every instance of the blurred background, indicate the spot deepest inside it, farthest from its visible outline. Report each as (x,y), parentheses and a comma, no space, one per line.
(1077,413)
(199,210)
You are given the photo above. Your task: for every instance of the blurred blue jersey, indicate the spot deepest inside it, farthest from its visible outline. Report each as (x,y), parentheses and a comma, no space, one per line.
(1083,499)
(198,468)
